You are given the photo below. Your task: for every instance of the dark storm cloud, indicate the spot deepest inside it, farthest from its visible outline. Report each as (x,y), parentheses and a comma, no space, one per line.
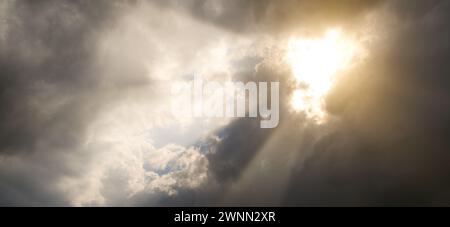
(241,141)
(45,57)
(46,92)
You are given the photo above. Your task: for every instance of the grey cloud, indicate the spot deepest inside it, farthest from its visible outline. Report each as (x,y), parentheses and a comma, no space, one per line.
(47,93)
(269,16)
(44,61)
(391,146)
(388,144)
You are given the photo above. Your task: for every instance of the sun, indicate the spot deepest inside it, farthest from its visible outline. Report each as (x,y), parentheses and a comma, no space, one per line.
(315,64)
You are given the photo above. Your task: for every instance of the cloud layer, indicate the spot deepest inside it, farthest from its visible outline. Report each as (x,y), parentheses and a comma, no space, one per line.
(85,105)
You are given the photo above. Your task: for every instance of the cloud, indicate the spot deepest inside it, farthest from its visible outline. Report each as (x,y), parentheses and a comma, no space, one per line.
(390,147)
(86,118)
(386,143)
(254,16)
(44,94)
(86,100)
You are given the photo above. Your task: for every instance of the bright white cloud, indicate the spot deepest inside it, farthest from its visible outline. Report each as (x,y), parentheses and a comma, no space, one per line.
(124,143)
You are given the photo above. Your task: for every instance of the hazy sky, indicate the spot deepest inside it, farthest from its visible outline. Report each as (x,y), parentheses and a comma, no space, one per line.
(86,104)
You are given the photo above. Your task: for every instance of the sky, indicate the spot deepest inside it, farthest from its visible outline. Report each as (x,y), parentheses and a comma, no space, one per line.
(86,115)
